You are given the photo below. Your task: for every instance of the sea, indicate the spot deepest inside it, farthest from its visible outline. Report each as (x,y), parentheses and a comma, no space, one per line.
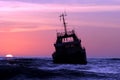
(45,69)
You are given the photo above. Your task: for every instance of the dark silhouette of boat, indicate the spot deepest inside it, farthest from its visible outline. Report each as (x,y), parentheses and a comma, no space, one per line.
(68,47)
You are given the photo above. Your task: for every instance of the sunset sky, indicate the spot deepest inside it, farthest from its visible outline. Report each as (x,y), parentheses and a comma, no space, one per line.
(28,27)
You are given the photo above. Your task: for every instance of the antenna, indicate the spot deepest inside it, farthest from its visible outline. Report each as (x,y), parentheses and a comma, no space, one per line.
(62,16)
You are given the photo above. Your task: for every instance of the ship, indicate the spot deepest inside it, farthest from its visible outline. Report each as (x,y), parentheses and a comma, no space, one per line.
(68,48)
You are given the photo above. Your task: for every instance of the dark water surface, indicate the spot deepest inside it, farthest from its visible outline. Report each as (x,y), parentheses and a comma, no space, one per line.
(44,69)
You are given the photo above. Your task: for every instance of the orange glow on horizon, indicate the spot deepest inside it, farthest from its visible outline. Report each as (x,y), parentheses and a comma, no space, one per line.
(27,43)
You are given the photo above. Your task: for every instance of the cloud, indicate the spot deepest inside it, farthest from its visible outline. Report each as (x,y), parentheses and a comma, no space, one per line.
(30,29)
(70,1)
(18,16)
(22,6)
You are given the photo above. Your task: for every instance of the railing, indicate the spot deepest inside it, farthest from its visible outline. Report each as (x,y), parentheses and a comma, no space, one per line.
(63,33)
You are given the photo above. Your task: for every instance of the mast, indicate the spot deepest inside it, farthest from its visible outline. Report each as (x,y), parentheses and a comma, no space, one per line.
(64,23)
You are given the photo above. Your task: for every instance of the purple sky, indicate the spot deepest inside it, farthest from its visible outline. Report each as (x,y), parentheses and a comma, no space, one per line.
(106,2)
(29,26)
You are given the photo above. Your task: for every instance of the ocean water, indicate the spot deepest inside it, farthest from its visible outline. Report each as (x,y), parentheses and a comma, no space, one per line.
(45,69)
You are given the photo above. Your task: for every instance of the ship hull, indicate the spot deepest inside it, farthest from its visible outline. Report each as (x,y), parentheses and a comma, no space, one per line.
(78,57)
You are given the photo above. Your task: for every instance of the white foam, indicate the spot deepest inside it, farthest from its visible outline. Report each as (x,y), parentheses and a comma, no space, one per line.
(103,70)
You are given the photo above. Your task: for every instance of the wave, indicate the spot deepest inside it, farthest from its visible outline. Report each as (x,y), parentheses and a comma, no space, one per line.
(12,72)
(35,69)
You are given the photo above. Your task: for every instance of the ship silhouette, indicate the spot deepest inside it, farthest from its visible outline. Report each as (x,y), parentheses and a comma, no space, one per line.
(68,48)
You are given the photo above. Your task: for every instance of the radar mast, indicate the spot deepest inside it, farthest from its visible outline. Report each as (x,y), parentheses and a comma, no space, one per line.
(62,16)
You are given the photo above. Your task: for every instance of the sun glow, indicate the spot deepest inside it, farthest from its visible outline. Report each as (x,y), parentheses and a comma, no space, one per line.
(9,55)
